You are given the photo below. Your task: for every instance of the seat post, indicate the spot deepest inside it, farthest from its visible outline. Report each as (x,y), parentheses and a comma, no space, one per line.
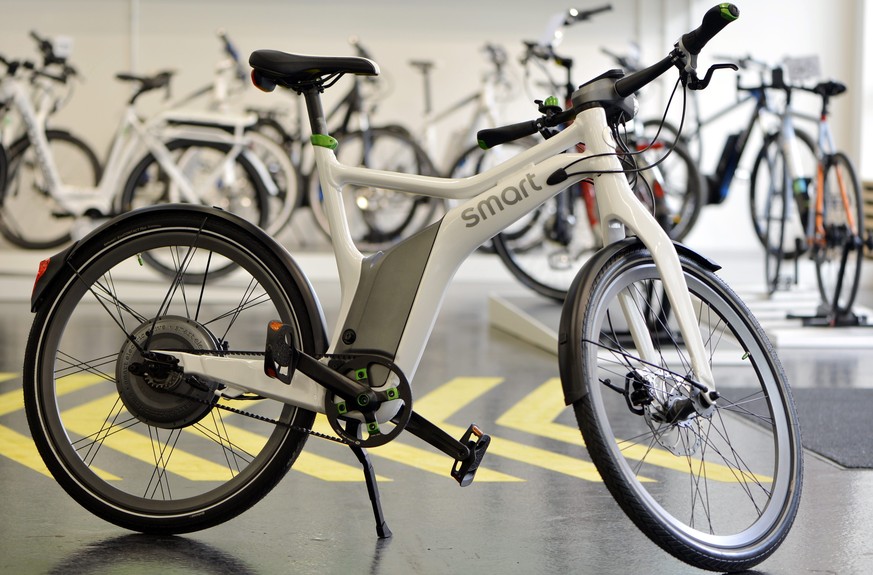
(317,121)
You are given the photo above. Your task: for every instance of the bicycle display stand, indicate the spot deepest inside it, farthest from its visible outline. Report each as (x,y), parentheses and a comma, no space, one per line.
(824,318)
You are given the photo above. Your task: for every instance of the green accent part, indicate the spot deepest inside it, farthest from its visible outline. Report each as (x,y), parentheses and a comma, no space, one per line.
(392,393)
(800,186)
(361,374)
(139,259)
(746,355)
(373,428)
(482,144)
(726,13)
(341,408)
(551,101)
(323,141)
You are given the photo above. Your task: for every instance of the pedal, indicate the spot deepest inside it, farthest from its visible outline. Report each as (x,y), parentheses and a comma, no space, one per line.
(464,471)
(280,353)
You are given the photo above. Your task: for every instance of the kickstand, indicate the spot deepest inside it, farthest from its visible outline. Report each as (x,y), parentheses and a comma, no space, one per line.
(373,491)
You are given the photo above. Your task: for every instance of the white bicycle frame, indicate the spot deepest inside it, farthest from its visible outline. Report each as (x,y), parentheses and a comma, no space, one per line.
(488,203)
(484,114)
(132,140)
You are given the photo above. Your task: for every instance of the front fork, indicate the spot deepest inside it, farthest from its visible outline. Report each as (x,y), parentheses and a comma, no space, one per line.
(620,209)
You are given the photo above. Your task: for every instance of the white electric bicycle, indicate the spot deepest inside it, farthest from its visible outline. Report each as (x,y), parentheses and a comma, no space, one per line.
(159,407)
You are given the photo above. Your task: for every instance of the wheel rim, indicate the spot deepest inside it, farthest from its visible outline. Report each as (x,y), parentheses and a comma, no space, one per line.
(155,470)
(736,493)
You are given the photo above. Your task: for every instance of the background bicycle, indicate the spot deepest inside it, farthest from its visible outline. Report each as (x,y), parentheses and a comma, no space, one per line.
(39,208)
(819,212)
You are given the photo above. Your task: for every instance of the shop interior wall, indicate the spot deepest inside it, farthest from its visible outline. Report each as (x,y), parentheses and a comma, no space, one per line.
(144,36)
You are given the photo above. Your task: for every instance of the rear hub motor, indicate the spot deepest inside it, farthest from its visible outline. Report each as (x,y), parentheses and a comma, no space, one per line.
(155,392)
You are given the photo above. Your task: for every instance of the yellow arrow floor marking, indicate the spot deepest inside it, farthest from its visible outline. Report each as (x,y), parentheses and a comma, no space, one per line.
(20,448)
(538,410)
(13,401)
(443,400)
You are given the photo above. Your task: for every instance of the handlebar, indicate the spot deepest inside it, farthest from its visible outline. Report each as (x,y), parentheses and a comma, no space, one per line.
(574,15)
(715,19)
(230,50)
(598,93)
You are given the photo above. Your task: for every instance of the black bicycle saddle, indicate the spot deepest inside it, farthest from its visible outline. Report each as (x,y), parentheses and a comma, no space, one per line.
(272,67)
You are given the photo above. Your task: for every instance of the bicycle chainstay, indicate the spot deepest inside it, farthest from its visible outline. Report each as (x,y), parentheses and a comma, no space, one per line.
(297,428)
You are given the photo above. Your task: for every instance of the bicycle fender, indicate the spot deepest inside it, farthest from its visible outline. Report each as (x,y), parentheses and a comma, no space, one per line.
(569,331)
(47,275)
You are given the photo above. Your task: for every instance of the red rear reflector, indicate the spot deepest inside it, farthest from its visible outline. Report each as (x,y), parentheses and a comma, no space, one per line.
(43,265)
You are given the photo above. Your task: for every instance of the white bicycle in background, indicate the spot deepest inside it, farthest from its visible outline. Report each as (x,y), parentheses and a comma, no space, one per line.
(39,207)
(119,356)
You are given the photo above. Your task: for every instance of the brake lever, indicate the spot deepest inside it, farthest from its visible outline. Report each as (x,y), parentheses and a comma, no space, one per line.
(694,83)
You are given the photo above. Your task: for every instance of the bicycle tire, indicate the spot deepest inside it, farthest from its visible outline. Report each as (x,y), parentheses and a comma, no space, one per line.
(284,196)
(252,204)
(148,185)
(775,217)
(378,217)
(29,217)
(4,169)
(744,457)
(135,456)
(839,236)
(759,181)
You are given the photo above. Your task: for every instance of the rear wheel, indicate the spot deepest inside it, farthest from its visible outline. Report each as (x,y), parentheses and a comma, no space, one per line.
(135,448)
(839,254)
(717,486)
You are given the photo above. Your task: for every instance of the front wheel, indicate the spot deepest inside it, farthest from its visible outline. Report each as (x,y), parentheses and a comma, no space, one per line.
(770,169)
(144,452)
(716,486)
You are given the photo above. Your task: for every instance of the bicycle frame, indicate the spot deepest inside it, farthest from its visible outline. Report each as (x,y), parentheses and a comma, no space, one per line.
(489,202)
(826,149)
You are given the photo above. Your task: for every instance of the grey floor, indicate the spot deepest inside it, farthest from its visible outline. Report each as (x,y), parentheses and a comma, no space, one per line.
(537,519)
